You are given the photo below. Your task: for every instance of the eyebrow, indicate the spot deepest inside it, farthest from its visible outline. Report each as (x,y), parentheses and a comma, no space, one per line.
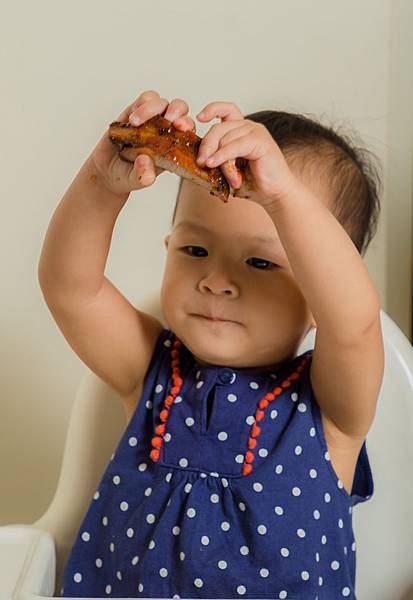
(249,238)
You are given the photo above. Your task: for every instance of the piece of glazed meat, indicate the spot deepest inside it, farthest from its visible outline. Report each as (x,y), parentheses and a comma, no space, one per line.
(175,151)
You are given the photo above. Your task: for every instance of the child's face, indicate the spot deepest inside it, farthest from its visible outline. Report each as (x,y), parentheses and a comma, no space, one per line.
(229,275)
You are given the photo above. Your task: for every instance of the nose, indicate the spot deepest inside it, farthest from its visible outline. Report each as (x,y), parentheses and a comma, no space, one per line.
(218,284)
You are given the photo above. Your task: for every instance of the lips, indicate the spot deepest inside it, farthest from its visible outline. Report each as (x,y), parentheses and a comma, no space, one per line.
(212,318)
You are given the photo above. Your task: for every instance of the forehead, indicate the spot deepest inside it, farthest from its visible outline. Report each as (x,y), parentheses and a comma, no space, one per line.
(238,218)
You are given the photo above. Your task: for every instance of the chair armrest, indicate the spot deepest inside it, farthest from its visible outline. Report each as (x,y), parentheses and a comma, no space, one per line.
(27,562)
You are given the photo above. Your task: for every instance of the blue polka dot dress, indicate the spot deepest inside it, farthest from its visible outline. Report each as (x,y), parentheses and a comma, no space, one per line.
(193,524)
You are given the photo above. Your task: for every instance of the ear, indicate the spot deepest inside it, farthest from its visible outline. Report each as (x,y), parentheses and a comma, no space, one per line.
(166,241)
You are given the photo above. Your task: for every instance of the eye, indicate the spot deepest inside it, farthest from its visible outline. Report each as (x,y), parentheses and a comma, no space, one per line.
(262,261)
(196,247)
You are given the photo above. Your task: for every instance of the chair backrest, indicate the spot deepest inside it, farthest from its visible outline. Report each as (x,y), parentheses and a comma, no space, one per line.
(383,526)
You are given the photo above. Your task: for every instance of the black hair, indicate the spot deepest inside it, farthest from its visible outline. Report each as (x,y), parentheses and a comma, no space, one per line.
(351,172)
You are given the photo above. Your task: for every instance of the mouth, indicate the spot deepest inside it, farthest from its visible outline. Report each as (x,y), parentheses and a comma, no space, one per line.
(214,319)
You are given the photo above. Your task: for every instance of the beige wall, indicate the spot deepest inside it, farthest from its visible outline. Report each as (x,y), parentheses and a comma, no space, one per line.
(67,71)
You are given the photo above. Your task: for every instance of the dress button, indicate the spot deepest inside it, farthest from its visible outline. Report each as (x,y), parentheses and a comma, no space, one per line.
(226,376)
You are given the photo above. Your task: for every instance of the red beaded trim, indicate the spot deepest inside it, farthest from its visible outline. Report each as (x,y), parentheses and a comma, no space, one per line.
(259,414)
(157,440)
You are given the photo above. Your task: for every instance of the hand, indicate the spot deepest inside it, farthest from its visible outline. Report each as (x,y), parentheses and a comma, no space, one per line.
(238,137)
(121,177)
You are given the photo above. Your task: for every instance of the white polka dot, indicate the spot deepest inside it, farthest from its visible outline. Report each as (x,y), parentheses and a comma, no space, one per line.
(183,462)
(176,530)
(262,529)
(258,487)
(340,484)
(222,564)
(316,514)
(99,562)
(301,533)
(296,491)
(327,455)
(205,540)
(345,591)
(273,414)
(148,404)
(239,458)
(340,523)
(244,550)
(203,475)
(282,595)
(108,589)
(178,399)
(167,437)
(335,565)
(135,560)
(317,557)
(188,487)
(263,452)
(302,407)
(254,385)
(278,510)
(305,575)
(191,512)
(112,547)
(284,552)
(130,532)
(119,575)
(225,525)
(298,450)
(150,518)
(124,506)
(231,397)
(324,539)
(214,498)
(158,388)
(313,473)
(189,421)
(199,384)
(77,577)
(96,496)
(105,521)
(116,479)
(140,587)
(312,431)
(133,441)
(264,572)
(222,436)
(241,589)
(151,545)
(163,572)
(279,469)
(143,467)
(242,506)
(327,497)
(224,482)
(198,582)
(85,536)
(168,477)
(250,420)
(148,491)
(182,555)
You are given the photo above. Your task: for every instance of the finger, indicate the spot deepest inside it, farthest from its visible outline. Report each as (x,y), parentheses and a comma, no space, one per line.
(147,110)
(223,110)
(177,108)
(143,171)
(144,97)
(232,174)
(240,147)
(210,143)
(184,124)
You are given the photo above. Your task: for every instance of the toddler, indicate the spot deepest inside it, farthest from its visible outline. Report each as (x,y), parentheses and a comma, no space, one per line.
(242,460)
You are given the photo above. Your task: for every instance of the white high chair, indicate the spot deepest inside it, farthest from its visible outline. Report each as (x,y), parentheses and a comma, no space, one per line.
(32,556)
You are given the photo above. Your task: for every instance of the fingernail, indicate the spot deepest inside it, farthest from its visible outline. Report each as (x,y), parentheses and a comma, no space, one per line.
(134,119)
